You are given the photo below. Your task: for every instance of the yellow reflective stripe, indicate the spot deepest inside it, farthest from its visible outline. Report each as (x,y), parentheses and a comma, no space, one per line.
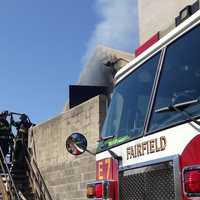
(22,130)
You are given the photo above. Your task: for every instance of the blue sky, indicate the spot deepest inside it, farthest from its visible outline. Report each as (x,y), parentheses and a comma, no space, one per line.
(43,45)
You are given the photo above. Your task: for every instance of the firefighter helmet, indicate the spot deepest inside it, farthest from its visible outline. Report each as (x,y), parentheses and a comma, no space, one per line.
(23,117)
(4,113)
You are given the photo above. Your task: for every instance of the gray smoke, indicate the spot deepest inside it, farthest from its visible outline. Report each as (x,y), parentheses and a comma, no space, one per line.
(96,72)
(117,29)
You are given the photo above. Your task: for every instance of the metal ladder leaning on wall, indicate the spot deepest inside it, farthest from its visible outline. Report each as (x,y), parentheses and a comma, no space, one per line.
(12,189)
(37,182)
(8,188)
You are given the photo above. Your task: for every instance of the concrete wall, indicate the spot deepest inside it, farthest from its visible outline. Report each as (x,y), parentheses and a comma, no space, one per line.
(66,175)
(158,15)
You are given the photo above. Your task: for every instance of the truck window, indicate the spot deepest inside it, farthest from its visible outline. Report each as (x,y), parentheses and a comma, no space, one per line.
(129,102)
(179,81)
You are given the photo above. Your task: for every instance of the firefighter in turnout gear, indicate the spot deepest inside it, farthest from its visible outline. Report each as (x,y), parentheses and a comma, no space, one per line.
(4,133)
(21,140)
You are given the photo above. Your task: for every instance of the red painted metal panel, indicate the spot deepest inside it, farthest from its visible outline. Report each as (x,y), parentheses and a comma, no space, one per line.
(147,44)
(104,169)
(191,155)
(107,169)
(116,178)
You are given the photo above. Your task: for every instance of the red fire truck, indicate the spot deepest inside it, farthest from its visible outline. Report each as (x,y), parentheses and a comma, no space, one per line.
(150,141)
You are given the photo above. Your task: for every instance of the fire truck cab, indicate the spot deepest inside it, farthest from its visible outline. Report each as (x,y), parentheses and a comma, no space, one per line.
(150,141)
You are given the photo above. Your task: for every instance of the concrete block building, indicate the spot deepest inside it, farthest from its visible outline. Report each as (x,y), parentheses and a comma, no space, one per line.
(66,176)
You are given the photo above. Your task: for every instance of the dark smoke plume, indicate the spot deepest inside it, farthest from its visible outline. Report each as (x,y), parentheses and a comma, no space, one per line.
(101,68)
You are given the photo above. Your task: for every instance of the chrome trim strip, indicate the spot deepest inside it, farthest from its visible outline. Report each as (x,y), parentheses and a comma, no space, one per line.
(100,181)
(166,40)
(151,162)
(177,178)
(154,91)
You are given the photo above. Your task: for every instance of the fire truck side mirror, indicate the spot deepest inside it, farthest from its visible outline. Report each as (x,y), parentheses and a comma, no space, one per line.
(76,144)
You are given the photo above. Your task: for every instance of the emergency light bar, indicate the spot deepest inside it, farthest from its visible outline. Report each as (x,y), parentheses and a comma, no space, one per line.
(101,190)
(147,44)
(191,181)
(187,12)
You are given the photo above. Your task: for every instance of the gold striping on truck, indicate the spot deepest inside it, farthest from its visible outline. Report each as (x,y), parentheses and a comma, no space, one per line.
(146,147)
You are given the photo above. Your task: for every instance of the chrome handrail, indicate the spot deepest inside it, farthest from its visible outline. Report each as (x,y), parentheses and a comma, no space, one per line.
(10,177)
(31,172)
(22,196)
(39,179)
(5,174)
